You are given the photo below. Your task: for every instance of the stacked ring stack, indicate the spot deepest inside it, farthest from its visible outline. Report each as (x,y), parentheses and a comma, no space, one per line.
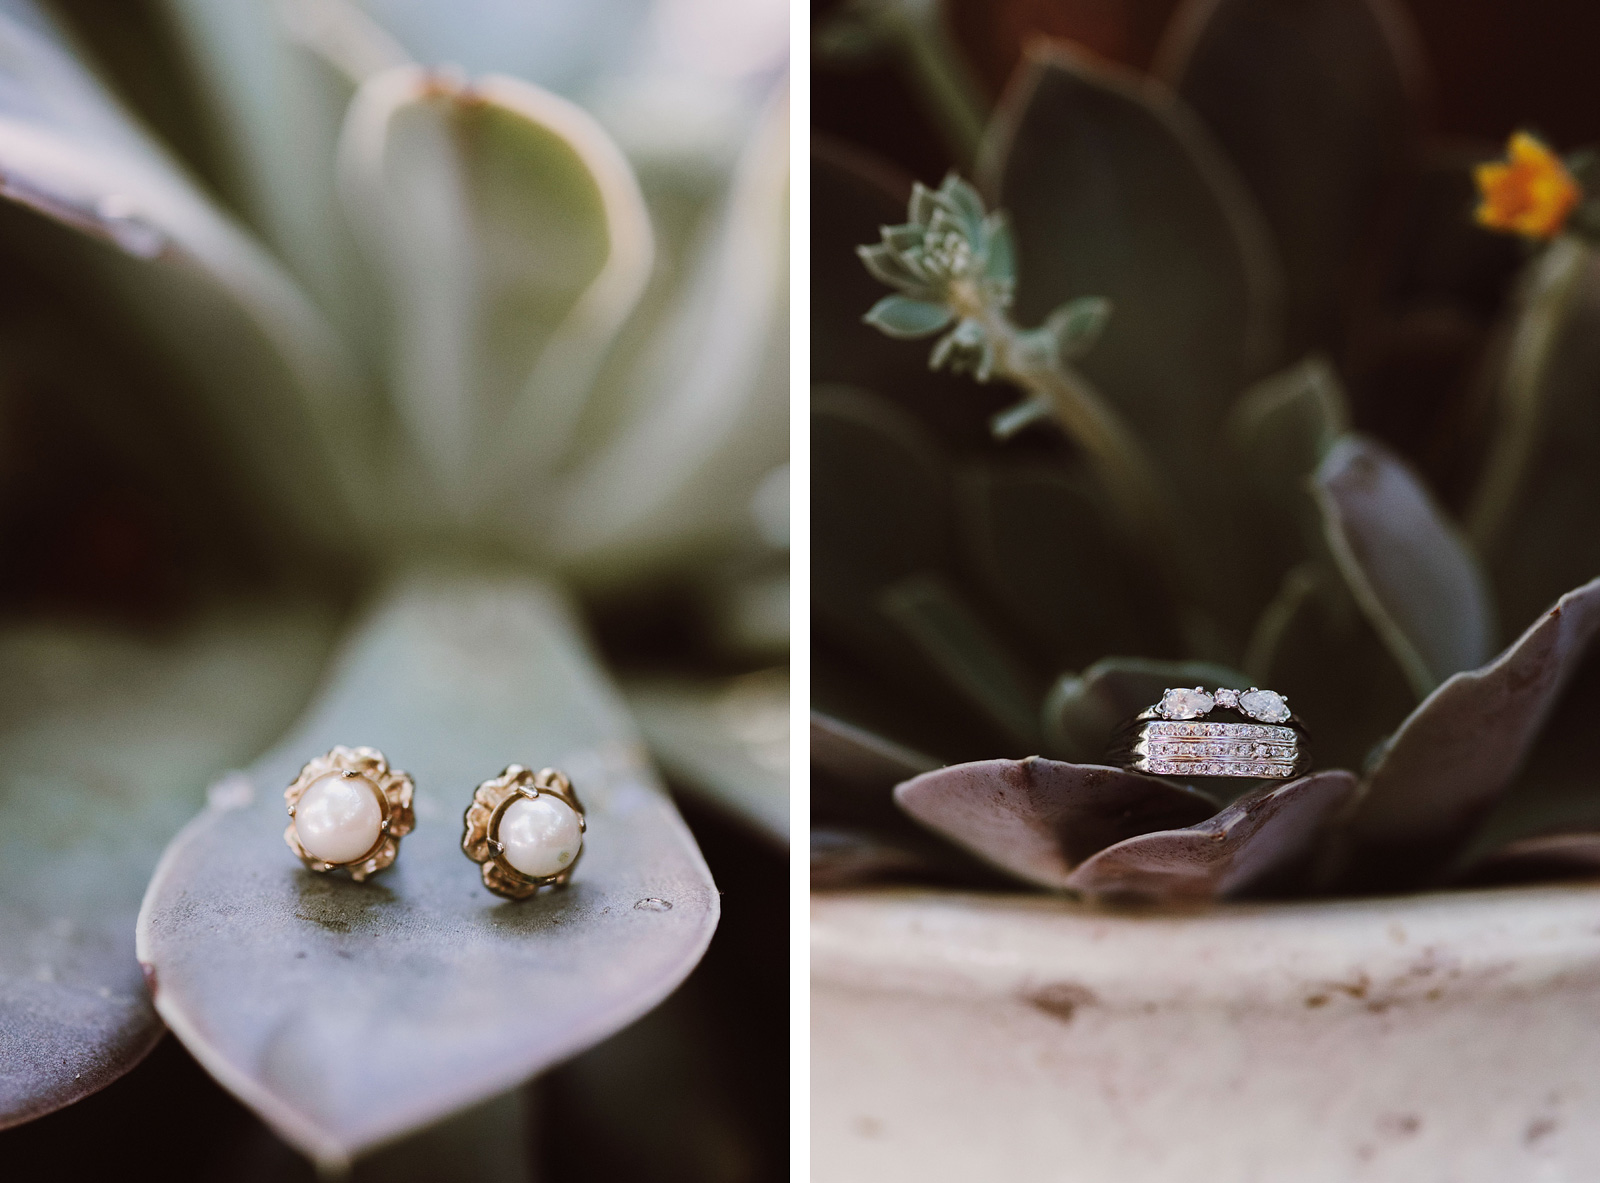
(1175,737)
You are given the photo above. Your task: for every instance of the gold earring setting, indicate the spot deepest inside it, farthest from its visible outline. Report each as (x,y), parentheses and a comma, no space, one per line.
(526,831)
(350,810)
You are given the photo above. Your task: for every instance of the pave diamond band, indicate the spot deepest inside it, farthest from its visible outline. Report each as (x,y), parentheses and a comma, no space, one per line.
(1169,739)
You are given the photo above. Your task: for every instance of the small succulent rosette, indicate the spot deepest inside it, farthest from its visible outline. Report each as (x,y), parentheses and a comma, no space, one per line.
(394,817)
(526,830)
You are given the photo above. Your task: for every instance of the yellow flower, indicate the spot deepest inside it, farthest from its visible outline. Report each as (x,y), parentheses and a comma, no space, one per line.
(1530,194)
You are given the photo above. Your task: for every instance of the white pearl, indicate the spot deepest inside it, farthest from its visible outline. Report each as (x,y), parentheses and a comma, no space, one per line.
(541,836)
(338,818)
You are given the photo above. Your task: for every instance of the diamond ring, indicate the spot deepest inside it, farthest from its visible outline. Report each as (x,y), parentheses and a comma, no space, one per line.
(1256,736)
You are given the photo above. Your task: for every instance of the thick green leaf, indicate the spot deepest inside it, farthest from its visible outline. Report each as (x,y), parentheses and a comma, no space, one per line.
(513,241)
(1083,711)
(347,1014)
(1251,845)
(266,370)
(278,78)
(932,614)
(1406,564)
(1282,427)
(704,407)
(1457,753)
(106,744)
(1316,103)
(1038,819)
(1115,190)
(725,740)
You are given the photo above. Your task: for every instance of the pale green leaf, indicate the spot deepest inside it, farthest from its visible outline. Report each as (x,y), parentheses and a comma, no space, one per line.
(279,75)
(347,1014)
(908,319)
(706,415)
(1077,325)
(512,241)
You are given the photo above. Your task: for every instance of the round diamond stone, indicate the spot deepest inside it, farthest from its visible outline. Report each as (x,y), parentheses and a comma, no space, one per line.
(1264,705)
(1185,704)
(1227,698)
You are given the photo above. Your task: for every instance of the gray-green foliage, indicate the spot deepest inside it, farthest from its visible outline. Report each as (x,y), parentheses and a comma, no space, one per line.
(478,316)
(1207,232)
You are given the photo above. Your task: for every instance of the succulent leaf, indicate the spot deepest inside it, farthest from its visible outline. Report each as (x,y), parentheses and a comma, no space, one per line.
(1458,751)
(856,755)
(706,401)
(514,241)
(264,367)
(277,99)
(1245,848)
(108,744)
(1282,428)
(1035,536)
(908,319)
(936,619)
(1405,563)
(412,998)
(1112,187)
(1317,105)
(726,742)
(1077,325)
(1038,819)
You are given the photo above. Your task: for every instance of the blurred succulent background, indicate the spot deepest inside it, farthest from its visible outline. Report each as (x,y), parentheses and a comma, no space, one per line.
(415,369)
(1279,380)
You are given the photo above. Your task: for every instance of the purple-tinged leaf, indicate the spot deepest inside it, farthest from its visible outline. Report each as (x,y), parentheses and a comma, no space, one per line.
(1037,818)
(1405,563)
(1243,847)
(1459,749)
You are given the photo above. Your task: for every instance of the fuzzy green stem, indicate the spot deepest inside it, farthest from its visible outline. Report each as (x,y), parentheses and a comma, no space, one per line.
(1124,469)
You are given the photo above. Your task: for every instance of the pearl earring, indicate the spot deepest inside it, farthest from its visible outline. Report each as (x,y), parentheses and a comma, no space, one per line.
(350,810)
(526,831)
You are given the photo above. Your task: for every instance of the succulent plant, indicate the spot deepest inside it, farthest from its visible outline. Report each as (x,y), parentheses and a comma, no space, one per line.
(419,363)
(1228,260)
